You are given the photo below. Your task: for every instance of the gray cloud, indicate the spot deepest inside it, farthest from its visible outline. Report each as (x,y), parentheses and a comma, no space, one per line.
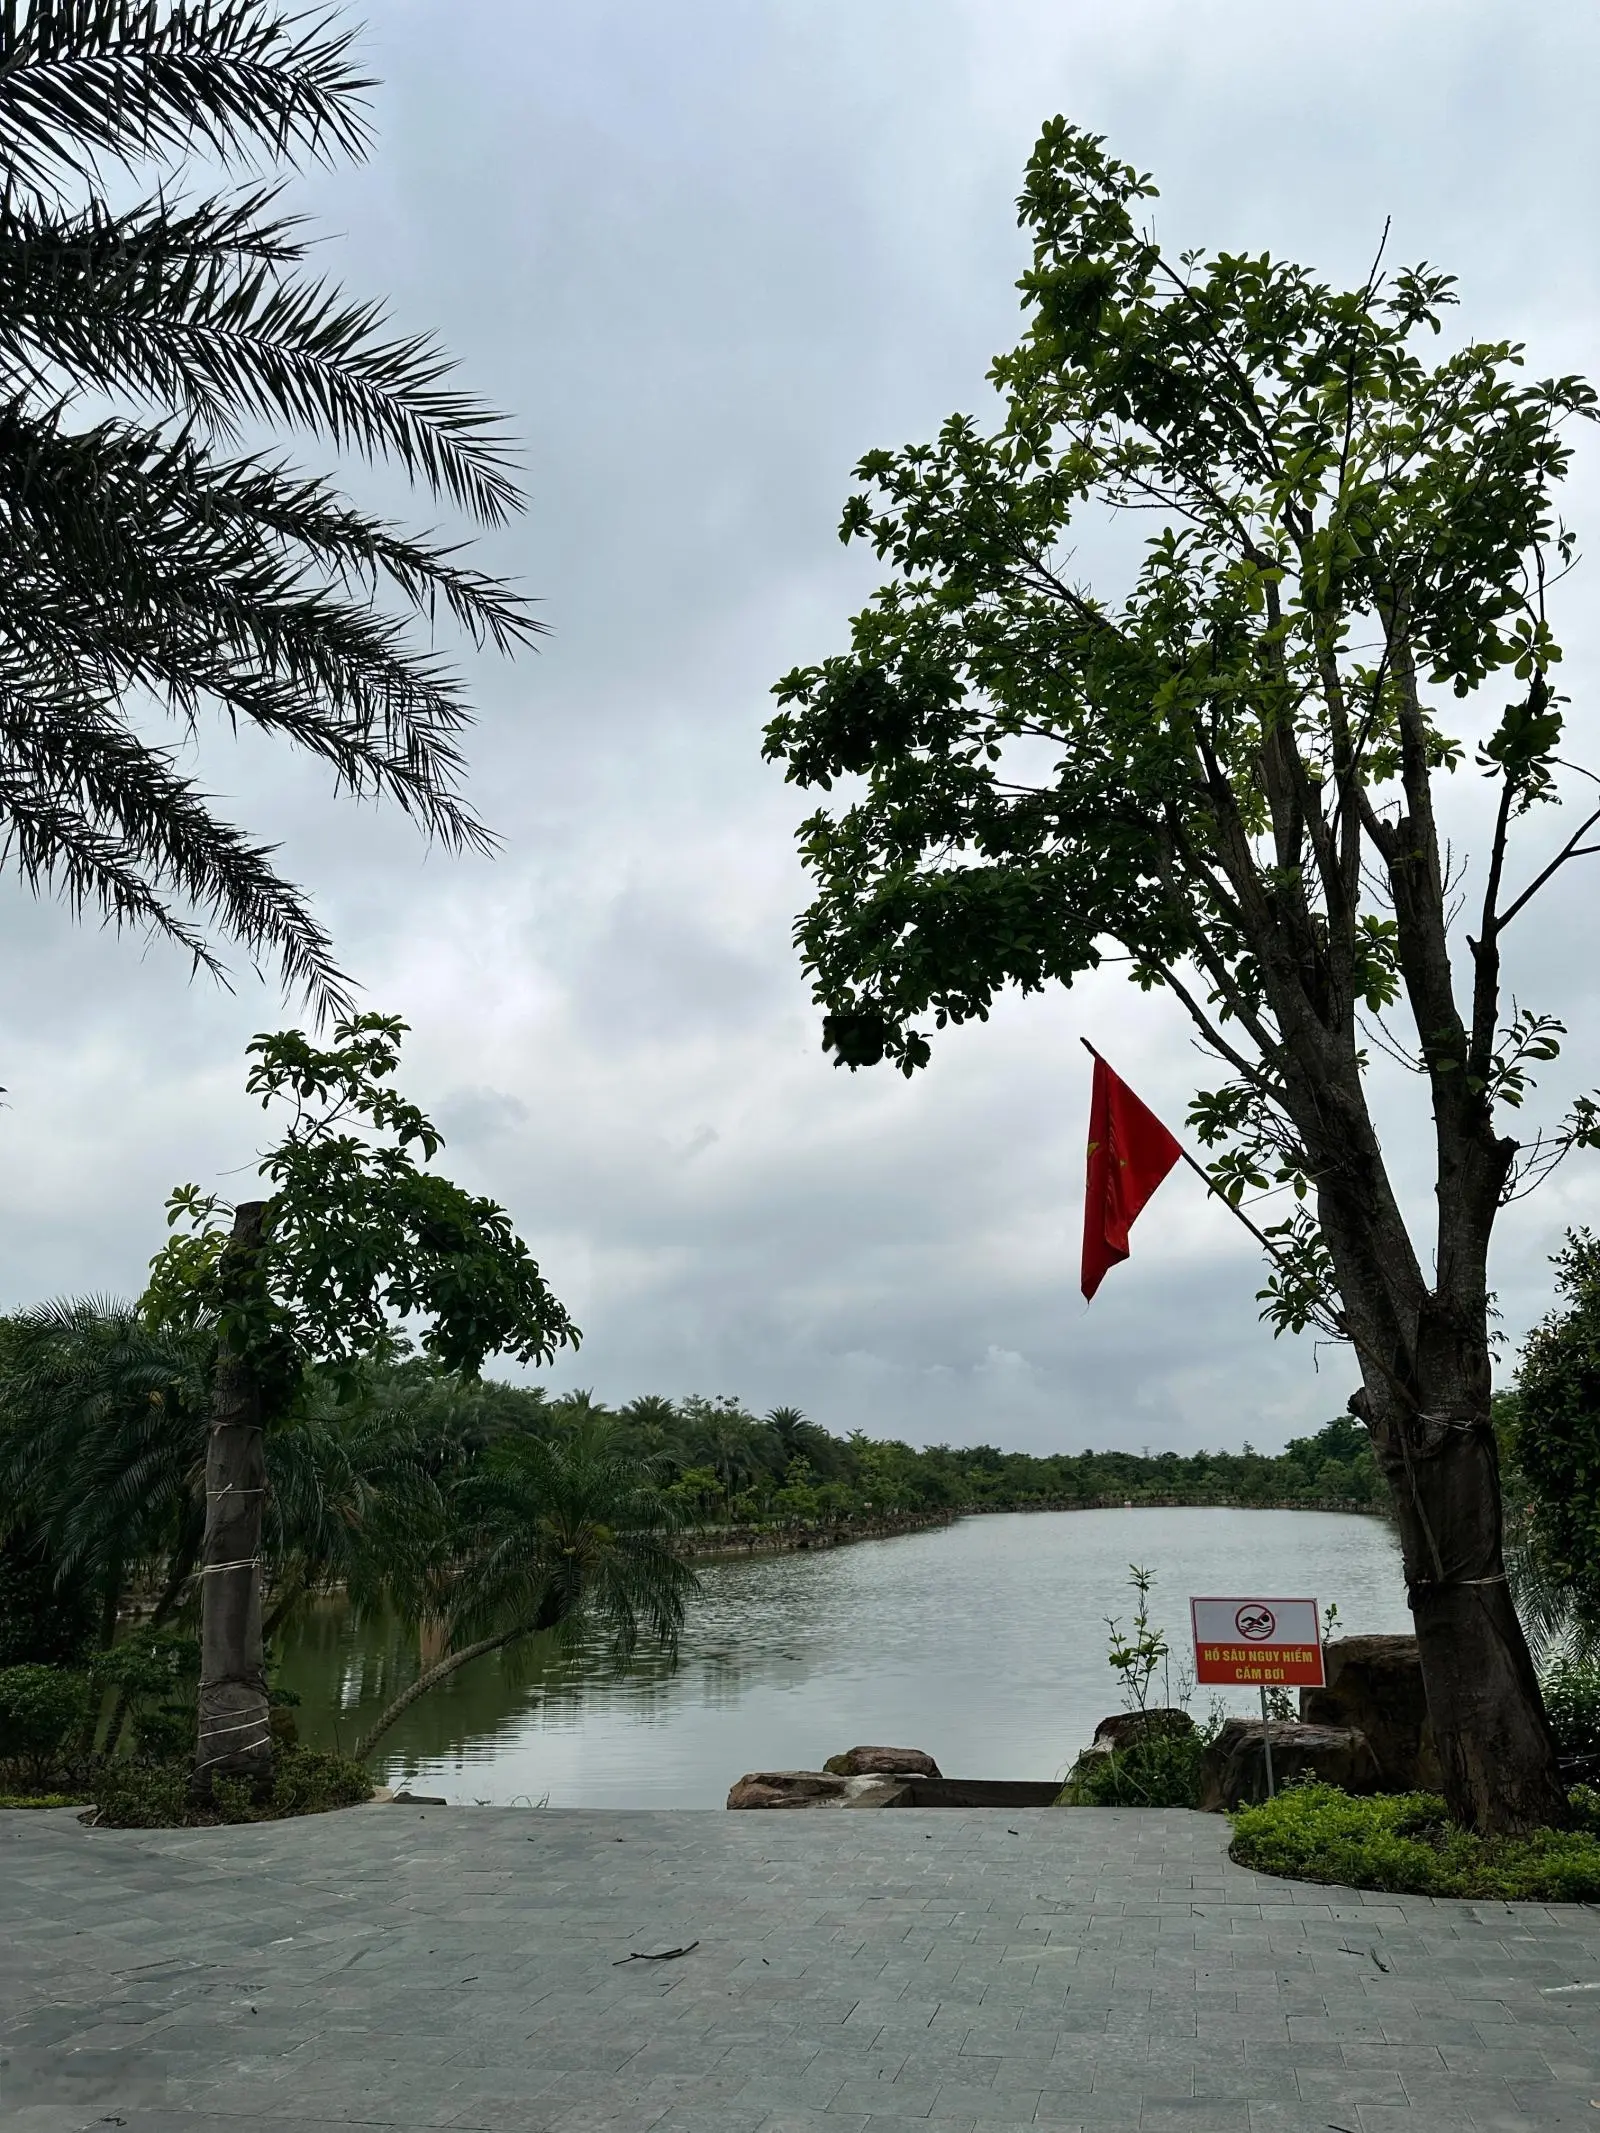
(708,257)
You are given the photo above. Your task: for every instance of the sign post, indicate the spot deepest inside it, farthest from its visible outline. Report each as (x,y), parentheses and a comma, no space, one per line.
(1258,1644)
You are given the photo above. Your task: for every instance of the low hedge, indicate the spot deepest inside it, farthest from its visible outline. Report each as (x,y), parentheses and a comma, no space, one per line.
(131,1794)
(1404,1842)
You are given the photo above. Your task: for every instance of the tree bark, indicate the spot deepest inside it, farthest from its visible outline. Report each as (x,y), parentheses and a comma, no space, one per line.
(235,1738)
(1496,1751)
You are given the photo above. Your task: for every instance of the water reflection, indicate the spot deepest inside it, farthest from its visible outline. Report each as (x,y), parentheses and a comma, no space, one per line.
(983,1642)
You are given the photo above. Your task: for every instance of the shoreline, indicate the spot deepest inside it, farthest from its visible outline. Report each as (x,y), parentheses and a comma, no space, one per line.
(713,1543)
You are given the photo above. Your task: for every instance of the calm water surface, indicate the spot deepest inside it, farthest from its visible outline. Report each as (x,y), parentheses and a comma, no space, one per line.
(983,1642)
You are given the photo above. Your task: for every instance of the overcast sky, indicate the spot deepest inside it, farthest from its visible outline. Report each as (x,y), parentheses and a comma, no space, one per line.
(705,256)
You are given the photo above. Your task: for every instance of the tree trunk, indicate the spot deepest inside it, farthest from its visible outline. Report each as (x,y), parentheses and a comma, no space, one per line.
(441,1670)
(235,1739)
(1496,1751)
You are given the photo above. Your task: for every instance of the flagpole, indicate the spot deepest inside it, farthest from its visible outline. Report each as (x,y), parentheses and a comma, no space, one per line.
(1203,1175)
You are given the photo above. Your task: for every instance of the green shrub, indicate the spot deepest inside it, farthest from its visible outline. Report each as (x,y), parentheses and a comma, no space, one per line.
(309,1781)
(1572,1698)
(1405,1842)
(41,1708)
(1161,1772)
(131,1794)
(155,1676)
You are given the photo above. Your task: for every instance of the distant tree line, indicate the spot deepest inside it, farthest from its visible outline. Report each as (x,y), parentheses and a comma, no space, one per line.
(727,1466)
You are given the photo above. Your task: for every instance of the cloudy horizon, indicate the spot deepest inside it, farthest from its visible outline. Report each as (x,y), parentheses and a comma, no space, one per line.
(704,260)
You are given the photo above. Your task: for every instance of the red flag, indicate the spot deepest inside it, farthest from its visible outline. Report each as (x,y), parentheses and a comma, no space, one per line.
(1130,1152)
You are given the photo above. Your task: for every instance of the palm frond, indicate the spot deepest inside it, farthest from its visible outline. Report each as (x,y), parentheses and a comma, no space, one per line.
(91,811)
(189,307)
(142,557)
(130,80)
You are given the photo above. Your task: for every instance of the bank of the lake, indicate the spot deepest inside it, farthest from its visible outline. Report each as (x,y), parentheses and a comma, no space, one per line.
(983,1642)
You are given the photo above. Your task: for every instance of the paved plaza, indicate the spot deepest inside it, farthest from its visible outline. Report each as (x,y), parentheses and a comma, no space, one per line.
(404,1966)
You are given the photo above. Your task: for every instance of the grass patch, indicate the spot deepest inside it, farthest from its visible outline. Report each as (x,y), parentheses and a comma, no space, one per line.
(1405,1843)
(40,1799)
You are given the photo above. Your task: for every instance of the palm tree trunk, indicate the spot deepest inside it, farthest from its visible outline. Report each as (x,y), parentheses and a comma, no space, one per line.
(235,1739)
(433,1674)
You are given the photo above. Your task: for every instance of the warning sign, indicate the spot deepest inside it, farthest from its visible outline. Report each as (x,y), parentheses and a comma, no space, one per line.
(1257,1643)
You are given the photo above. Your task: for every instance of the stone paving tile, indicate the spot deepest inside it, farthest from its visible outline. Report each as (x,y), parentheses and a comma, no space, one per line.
(1100,1970)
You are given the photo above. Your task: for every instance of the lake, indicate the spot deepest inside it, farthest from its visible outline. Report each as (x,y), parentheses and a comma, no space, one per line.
(983,1642)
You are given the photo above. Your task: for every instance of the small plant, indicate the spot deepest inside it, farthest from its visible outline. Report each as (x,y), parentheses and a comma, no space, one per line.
(1161,1763)
(1136,1658)
(41,1709)
(1406,1842)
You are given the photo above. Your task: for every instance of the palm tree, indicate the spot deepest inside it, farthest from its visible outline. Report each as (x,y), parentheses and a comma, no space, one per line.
(544,1533)
(103,1425)
(148,556)
(799,1436)
(102,1445)
(351,1482)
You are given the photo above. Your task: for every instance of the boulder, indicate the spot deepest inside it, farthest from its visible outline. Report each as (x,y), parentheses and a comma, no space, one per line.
(1375,1685)
(871,1791)
(1123,1728)
(1234,1773)
(786,1788)
(883,1762)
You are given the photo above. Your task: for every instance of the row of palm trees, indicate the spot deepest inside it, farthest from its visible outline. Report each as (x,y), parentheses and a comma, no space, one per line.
(480,1521)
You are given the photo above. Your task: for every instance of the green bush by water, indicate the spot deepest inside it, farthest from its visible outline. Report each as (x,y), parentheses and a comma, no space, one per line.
(1161,1772)
(305,1781)
(1406,1843)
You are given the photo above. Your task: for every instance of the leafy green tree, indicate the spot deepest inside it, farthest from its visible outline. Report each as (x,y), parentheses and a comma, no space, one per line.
(1554,1433)
(356,1240)
(147,319)
(543,1534)
(1231,774)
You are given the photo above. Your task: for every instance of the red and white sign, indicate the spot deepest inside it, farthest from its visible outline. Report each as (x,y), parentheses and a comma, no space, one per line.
(1247,1644)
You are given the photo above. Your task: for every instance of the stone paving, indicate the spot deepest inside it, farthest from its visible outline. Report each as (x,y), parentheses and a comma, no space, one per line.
(1110,1970)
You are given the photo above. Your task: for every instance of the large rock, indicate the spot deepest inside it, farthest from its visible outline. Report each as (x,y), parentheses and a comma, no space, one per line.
(1235,1769)
(1123,1728)
(1375,1685)
(814,1788)
(785,1788)
(883,1762)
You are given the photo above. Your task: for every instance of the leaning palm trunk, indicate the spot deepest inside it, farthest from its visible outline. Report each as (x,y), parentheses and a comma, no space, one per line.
(235,1739)
(431,1676)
